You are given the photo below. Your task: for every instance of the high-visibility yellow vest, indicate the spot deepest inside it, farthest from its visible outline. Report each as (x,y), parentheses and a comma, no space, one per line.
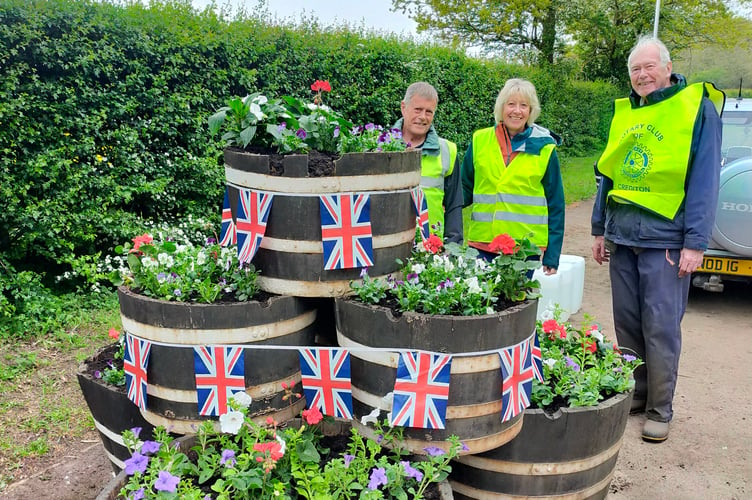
(508,198)
(433,171)
(647,155)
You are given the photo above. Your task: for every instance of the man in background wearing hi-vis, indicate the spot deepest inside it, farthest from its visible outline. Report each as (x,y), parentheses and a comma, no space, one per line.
(440,171)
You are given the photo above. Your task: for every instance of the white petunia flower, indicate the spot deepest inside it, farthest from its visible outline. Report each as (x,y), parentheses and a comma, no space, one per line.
(231,422)
(242,398)
(597,334)
(547,314)
(282,443)
(550,362)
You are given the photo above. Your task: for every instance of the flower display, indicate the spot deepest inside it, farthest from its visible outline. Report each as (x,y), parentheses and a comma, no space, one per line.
(293,125)
(581,366)
(168,270)
(452,279)
(277,461)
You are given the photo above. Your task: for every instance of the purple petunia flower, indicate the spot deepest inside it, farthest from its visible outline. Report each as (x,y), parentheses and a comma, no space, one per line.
(370,126)
(136,431)
(210,240)
(464,447)
(301,133)
(336,131)
(364,272)
(379,438)
(97,374)
(434,451)
(348,458)
(166,482)
(570,363)
(137,495)
(137,463)
(149,447)
(228,458)
(628,357)
(412,472)
(378,478)
(282,126)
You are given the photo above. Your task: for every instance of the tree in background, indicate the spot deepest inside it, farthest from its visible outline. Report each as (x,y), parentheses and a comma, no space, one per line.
(597,33)
(498,26)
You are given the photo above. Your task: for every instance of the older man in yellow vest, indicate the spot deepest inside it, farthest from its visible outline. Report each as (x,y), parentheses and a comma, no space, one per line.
(653,217)
(440,172)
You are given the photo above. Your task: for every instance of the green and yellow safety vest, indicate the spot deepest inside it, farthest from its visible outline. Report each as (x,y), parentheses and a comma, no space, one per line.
(433,171)
(647,155)
(508,198)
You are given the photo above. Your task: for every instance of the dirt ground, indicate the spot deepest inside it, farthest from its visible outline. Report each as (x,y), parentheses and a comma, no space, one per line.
(707,456)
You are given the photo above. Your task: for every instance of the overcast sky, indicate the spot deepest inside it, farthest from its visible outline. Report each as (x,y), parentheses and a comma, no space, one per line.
(371,13)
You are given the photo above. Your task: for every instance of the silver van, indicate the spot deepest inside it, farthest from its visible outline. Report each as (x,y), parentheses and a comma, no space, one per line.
(729,254)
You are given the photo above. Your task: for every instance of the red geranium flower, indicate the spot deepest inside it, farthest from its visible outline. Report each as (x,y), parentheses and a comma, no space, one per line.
(503,243)
(143,239)
(590,345)
(550,325)
(114,334)
(321,85)
(433,244)
(313,416)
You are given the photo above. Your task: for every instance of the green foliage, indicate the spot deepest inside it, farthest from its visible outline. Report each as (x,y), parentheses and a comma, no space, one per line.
(104,122)
(578,177)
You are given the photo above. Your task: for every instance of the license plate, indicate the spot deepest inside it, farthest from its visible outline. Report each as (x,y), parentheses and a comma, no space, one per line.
(724,265)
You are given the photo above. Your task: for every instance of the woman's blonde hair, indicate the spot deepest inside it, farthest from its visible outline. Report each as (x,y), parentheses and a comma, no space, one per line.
(526,90)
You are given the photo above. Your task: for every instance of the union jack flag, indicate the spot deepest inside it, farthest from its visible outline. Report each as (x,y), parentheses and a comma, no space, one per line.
(421,390)
(535,353)
(421,211)
(253,210)
(227,235)
(517,379)
(135,361)
(326,381)
(220,373)
(346,231)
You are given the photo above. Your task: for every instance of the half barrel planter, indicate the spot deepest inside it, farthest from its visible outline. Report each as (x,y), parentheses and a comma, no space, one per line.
(290,257)
(568,455)
(112,412)
(171,390)
(474,405)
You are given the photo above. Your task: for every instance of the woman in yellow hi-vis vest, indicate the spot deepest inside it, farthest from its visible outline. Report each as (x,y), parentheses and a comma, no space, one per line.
(512,180)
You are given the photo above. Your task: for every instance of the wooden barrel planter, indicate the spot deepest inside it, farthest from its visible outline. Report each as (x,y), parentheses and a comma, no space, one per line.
(291,254)
(335,428)
(171,393)
(568,455)
(111,410)
(474,406)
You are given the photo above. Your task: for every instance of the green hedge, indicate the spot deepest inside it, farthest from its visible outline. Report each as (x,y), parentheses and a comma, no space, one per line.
(103,114)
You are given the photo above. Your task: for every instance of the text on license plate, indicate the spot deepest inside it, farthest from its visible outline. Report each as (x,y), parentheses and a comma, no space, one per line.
(723,265)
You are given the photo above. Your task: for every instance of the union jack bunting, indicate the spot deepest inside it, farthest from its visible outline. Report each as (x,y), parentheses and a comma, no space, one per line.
(135,361)
(517,379)
(421,390)
(253,211)
(326,381)
(346,231)
(421,211)
(535,353)
(227,235)
(220,373)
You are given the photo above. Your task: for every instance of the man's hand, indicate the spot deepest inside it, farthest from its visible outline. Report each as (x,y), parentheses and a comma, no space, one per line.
(600,254)
(549,271)
(689,261)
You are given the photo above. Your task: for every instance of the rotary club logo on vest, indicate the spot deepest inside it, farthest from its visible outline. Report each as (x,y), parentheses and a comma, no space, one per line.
(636,165)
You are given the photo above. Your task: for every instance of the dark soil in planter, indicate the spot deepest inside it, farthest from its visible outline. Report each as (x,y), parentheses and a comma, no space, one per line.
(320,164)
(223,298)
(105,359)
(393,304)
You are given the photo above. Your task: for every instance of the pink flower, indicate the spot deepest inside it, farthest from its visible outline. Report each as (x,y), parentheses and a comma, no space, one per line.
(312,416)
(113,334)
(321,85)
(503,243)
